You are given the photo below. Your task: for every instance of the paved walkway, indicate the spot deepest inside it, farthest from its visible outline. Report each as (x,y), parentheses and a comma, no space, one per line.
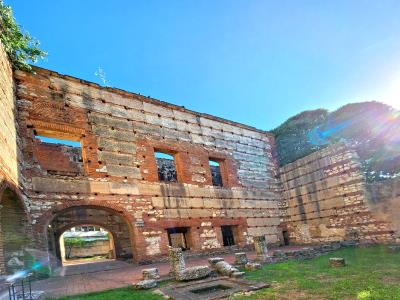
(98,276)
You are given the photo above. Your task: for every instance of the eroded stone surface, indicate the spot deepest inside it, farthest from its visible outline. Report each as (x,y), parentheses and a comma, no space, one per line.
(145,284)
(225,269)
(151,273)
(241,258)
(251,266)
(260,245)
(214,260)
(336,262)
(193,273)
(179,270)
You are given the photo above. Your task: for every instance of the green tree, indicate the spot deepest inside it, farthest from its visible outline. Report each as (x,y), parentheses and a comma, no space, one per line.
(19,45)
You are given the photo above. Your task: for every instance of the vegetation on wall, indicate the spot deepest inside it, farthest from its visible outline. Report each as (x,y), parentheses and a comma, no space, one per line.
(19,45)
(372,128)
(76,242)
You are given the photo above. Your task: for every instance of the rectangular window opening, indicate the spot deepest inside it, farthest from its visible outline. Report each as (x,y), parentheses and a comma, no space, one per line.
(165,167)
(59,155)
(215,169)
(228,235)
(178,237)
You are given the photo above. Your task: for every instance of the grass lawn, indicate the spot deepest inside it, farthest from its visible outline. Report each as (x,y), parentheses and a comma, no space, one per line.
(127,293)
(371,273)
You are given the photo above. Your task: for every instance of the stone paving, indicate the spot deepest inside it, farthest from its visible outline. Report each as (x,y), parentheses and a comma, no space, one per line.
(92,277)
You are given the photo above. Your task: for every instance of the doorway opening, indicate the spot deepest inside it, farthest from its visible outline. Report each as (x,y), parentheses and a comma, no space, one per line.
(285,234)
(228,235)
(86,243)
(87,219)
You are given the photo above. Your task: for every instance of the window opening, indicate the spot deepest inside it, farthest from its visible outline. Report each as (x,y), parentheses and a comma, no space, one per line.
(165,167)
(216,176)
(59,156)
(178,237)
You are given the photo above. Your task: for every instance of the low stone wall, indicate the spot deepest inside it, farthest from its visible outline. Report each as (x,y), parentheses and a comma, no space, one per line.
(325,200)
(307,253)
(97,248)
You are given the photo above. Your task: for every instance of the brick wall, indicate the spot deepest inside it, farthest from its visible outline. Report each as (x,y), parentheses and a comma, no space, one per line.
(325,199)
(8,133)
(119,133)
(58,159)
(11,207)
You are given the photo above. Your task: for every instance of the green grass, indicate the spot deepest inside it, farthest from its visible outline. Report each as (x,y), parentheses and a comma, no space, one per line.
(116,294)
(371,274)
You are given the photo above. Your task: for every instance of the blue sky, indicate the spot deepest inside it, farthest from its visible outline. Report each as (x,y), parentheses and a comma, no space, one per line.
(255,62)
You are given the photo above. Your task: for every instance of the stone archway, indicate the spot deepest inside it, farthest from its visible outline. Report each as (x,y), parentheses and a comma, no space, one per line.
(101,216)
(14,233)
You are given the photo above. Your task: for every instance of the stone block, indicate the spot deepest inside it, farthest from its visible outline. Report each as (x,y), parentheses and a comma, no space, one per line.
(145,284)
(337,262)
(394,248)
(251,266)
(225,269)
(151,273)
(214,260)
(237,274)
(241,258)
(193,273)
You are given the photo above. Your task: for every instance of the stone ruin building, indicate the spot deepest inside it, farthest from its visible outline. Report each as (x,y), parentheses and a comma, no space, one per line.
(155,174)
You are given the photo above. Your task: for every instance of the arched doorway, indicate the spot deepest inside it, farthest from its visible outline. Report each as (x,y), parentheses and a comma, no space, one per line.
(14,232)
(86,243)
(106,218)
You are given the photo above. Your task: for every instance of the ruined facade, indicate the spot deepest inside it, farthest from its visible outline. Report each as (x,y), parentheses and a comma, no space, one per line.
(221,188)
(325,199)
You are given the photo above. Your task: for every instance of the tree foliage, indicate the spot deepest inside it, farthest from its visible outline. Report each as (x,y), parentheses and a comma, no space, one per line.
(372,128)
(76,242)
(292,136)
(19,45)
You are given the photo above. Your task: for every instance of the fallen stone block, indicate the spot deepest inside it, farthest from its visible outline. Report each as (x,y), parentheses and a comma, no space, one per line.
(237,274)
(336,262)
(241,258)
(250,266)
(145,284)
(214,260)
(225,269)
(193,273)
(151,273)
(394,248)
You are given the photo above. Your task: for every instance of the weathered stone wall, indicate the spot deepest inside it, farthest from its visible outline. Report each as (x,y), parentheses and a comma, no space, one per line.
(8,133)
(97,248)
(325,199)
(119,133)
(59,159)
(384,201)
(12,209)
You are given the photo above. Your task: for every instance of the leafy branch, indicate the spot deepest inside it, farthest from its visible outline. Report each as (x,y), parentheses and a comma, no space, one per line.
(19,45)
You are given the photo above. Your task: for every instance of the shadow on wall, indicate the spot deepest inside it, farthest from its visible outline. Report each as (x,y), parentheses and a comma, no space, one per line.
(384,202)
(15,229)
